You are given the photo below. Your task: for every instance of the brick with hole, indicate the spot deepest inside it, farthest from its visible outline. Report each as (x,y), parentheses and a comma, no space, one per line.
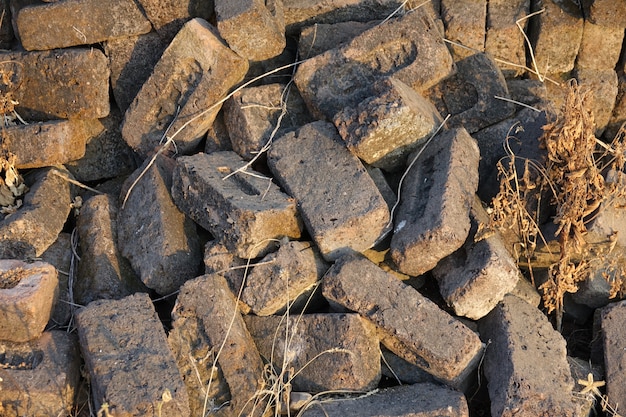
(504,38)
(386,127)
(431,339)
(78,22)
(41,377)
(245,212)
(254,29)
(410,48)
(28,292)
(464,22)
(340,204)
(327,352)
(432,219)
(525,362)
(182,94)
(131,367)
(206,324)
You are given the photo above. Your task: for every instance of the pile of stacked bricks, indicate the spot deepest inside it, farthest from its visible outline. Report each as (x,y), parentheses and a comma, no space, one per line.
(229,194)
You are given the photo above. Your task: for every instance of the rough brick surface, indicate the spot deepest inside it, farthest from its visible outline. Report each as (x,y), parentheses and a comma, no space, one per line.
(469,96)
(385,128)
(556,34)
(600,46)
(48,383)
(29,231)
(417,400)
(525,363)
(169,16)
(341,207)
(252,115)
(430,338)
(219,260)
(608,13)
(254,29)
(129,361)
(603,87)
(432,220)
(343,348)
(243,211)
(503,38)
(70,83)
(612,319)
(287,276)
(464,22)
(203,314)
(194,73)
(409,48)
(159,241)
(476,277)
(78,22)
(27,294)
(44,144)
(102,271)
(321,37)
(59,255)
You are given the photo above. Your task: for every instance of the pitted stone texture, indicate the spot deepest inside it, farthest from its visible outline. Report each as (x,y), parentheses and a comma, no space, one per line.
(469,96)
(252,116)
(205,313)
(131,60)
(608,13)
(285,277)
(503,38)
(219,260)
(322,37)
(475,278)
(385,128)
(244,212)
(600,46)
(396,368)
(78,22)
(464,22)
(410,48)
(343,350)
(29,231)
(129,361)
(429,337)
(169,16)
(63,84)
(618,115)
(301,13)
(602,85)
(612,319)
(59,255)
(254,29)
(45,144)
(106,153)
(28,292)
(102,271)
(159,241)
(48,384)
(341,206)
(417,400)
(194,73)
(526,363)
(556,34)
(432,220)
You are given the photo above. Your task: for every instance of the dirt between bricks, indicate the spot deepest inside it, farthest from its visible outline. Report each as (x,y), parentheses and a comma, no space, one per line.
(337,208)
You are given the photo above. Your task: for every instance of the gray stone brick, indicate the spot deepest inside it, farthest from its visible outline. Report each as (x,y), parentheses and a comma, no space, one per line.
(475,278)
(322,37)
(219,260)
(603,86)
(417,400)
(385,128)
(343,350)
(503,38)
(63,84)
(154,235)
(78,22)
(193,74)
(612,319)
(608,13)
(246,213)
(128,359)
(600,46)
(29,231)
(169,16)
(526,362)
(254,29)
(28,293)
(285,277)
(465,22)
(204,315)
(40,378)
(410,48)
(432,220)
(429,338)
(59,255)
(340,205)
